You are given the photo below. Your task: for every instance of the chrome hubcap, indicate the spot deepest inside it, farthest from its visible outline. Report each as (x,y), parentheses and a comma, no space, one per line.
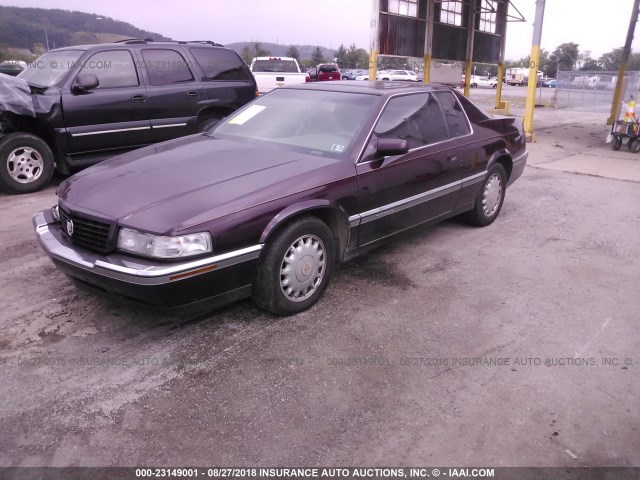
(25,165)
(492,195)
(303,268)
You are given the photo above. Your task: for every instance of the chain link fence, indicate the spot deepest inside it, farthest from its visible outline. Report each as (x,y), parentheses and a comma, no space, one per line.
(582,90)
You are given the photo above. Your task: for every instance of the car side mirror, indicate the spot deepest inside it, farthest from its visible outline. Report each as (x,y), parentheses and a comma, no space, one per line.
(391,146)
(84,82)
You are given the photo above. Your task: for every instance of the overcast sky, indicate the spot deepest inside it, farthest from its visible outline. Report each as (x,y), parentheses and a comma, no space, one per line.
(595,25)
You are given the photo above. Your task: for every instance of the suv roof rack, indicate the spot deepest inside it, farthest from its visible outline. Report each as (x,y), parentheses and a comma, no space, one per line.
(206,42)
(133,41)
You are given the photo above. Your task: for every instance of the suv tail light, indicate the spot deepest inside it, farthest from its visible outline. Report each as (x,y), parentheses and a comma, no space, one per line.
(307,79)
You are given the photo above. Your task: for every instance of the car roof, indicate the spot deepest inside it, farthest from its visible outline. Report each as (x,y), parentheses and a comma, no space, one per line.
(370,87)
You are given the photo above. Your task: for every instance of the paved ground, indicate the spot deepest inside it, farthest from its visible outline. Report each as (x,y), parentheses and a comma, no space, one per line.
(551,288)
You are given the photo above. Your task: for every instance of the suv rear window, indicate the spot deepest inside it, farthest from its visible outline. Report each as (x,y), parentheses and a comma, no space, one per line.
(275,65)
(220,64)
(328,68)
(166,67)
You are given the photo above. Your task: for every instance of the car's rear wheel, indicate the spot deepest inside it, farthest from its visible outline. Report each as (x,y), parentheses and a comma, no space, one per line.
(295,268)
(490,198)
(26,163)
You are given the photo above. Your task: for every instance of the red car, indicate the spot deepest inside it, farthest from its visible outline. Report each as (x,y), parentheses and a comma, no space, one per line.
(267,202)
(327,71)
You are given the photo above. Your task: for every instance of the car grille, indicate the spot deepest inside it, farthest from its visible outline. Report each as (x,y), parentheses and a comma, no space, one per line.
(91,234)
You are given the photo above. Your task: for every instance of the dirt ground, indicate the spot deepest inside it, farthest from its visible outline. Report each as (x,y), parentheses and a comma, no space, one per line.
(512,345)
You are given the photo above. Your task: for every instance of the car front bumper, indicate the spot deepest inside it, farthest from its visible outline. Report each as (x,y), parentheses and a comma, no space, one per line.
(195,284)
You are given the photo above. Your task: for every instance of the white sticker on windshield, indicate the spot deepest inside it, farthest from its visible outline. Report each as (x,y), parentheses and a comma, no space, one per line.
(337,147)
(247,115)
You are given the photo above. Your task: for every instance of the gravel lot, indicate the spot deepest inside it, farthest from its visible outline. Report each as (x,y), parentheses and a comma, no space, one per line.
(555,279)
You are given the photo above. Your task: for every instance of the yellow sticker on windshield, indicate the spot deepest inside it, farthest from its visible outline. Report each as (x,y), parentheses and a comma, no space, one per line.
(247,115)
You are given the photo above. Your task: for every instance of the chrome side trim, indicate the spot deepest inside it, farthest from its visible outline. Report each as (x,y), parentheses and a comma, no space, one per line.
(478,177)
(131,269)
(84,134)
(390,208)
(170,125)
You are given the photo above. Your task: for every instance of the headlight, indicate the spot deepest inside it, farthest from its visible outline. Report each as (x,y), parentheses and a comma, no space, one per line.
(164,247)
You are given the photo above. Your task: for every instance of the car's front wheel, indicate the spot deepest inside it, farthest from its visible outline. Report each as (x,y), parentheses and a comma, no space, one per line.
(490,198)
(295,268)
(26,163)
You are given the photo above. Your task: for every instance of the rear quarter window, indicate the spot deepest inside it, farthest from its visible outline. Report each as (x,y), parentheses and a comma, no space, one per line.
(219,64)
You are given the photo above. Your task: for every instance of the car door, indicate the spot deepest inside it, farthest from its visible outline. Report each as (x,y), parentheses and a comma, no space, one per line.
(112,116)
(399,192)
(174,94)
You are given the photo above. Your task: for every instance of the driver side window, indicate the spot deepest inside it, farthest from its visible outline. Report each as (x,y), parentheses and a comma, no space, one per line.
(114,68)
(417,118)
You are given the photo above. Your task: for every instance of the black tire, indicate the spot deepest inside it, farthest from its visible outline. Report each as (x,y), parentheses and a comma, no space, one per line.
(479,216)
(495,86)
(26,163)
(635,146)
(617,143)
(208,123)
(268,292)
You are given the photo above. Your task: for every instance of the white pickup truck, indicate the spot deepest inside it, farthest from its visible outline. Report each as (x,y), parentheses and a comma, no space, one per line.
(274,72)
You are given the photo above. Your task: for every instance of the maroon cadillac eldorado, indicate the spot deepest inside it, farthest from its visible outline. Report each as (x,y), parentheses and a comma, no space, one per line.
(267,202)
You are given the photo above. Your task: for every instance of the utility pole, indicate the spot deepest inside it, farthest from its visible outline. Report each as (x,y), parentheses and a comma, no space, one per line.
(617,96)
(533,70)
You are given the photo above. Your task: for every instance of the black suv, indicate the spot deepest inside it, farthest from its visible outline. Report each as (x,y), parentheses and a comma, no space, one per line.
(95,101)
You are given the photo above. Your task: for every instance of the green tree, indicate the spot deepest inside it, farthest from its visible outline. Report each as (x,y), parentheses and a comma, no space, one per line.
(564,57)
(293,52)
(317,56)
(357,57)
(341,57)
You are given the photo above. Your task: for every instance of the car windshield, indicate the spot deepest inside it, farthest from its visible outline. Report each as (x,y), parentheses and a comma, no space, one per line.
(50,68)
(315,122)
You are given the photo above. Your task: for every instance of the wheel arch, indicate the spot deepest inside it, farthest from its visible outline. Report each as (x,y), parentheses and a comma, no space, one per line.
(12,123)
(332,215)
(503,157)
(207,113)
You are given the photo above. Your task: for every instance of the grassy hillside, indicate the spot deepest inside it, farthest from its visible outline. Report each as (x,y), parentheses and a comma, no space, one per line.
(25,28)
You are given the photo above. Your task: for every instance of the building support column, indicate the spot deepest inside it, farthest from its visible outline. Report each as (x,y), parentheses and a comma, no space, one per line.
(373,48)
(428,41)
(617,96)
(471,28)
(502,22)
(533,71)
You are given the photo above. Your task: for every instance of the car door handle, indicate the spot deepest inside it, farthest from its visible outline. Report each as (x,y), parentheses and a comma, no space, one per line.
(452,158)
(192,94)
(138,98)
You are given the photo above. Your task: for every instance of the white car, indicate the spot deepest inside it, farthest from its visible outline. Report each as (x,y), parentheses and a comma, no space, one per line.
(483,82)
(393,75)
(366,75)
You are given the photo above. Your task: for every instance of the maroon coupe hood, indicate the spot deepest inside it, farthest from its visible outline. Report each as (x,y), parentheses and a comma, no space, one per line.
(162,187)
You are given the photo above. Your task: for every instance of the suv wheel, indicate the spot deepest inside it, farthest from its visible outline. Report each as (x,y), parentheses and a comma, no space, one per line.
(208,123)
(26,163)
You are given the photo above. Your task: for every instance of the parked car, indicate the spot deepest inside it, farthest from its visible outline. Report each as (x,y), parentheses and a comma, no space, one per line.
(477,81)
(552,83)
(352,74)
(92,102)
(267,202)
(12,67)
(391,75)
(327,71)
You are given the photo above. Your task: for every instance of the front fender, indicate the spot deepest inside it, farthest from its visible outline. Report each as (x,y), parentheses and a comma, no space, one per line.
(298,208)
